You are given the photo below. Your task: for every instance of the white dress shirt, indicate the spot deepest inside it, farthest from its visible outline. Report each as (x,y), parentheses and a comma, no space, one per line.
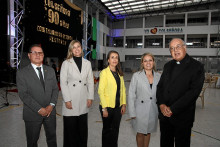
(35,69)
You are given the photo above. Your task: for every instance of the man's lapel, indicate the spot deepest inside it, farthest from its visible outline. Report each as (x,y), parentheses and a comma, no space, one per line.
(45,75)
(34,74)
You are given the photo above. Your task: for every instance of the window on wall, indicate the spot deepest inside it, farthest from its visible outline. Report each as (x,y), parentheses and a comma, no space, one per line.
(109,41)
(134,42)
(168,38)
(214,64)
(168,58)
(197,41)
(211,64)
(109,23)
(132,63)
(197,19)
(154,21)
(214,41)
(118,41)
(203,60)
(118,24)
(153,41)
(101,18)
(215,19)
(134,23)
(175,20)
(160,61)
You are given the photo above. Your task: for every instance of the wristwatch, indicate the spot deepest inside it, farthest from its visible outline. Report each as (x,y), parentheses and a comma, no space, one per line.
(52,104)
(103,109)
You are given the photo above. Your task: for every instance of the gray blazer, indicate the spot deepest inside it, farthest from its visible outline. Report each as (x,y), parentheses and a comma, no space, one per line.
(76,86)
(142,102)
(32,94)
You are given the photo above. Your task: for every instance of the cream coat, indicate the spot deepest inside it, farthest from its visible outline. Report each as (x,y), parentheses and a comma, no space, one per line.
(76,87)
(142,103)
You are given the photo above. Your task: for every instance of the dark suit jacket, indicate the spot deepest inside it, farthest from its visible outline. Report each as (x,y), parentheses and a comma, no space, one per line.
(180,91)
(32,93)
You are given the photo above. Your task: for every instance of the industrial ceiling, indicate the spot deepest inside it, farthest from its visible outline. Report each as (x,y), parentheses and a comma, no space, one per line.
(129,8)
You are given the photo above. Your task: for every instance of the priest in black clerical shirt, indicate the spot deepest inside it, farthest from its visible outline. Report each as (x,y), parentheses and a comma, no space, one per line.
(177,91)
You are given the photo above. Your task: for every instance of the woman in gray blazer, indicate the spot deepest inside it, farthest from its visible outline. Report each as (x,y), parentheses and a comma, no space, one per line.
(77,86)
(142,100)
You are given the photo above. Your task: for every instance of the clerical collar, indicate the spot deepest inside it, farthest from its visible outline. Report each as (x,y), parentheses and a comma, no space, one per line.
(183,61)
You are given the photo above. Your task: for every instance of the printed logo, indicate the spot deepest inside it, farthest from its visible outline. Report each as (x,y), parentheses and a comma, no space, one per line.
(153,31)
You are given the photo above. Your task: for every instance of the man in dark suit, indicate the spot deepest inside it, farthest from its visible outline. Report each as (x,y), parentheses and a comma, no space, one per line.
(37,88)
(177,91)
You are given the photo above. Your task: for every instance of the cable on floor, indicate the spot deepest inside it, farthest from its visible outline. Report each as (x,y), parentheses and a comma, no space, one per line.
(206,135)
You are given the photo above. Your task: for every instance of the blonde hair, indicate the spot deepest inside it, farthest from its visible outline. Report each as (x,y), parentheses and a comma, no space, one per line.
(70,48)
(142,60)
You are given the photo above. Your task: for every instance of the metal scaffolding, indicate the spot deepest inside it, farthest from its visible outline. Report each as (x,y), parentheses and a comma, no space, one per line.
(87,36)
(14,32)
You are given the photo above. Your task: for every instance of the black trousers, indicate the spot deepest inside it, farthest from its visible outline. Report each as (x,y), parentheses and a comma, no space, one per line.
(33,128)
(170,134)
(111,125)
(75,131)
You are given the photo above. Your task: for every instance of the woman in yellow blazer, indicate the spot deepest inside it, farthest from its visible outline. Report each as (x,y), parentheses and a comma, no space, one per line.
(112,95)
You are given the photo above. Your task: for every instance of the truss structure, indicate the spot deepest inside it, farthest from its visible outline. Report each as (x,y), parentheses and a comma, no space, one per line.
(15,33)
(85,29)
(87,36)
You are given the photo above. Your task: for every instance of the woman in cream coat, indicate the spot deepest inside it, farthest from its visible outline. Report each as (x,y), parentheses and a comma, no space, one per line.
(77,86)
(142,105)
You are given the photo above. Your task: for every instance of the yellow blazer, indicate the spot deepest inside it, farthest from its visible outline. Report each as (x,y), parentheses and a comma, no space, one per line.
(108,87)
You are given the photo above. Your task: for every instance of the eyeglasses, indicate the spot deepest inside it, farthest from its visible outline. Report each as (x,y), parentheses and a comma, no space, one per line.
(37,53)
(178,47)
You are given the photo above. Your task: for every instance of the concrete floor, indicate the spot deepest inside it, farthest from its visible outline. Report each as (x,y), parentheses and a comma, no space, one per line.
(206,130)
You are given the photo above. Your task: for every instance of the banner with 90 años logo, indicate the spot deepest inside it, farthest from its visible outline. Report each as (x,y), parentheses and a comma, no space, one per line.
(53,24)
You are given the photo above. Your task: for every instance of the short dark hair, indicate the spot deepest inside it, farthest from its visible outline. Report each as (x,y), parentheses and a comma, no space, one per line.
(35,45)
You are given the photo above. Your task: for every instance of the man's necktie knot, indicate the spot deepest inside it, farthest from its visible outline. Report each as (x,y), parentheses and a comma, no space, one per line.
(39,68)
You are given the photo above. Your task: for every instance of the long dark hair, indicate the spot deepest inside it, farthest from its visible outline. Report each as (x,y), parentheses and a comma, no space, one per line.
(118,67)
